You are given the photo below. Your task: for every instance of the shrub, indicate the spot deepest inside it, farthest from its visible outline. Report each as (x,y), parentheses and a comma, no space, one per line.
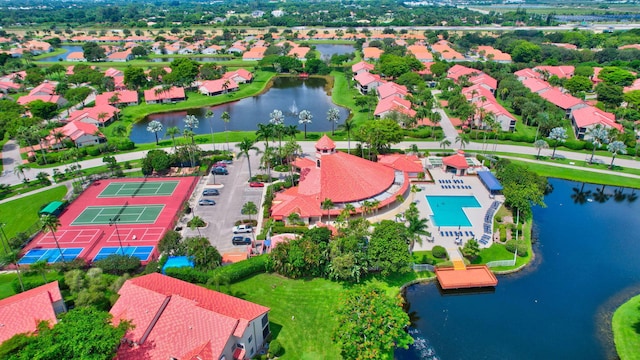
(243,269)
(196,222)
(118,264)
(93,151)
(188,274)
(171,244)
(281,229)
(275,348)
(439,252)
(19,240)
(28,282)
(126,144)
(574,144)
(512,245)
(253,222)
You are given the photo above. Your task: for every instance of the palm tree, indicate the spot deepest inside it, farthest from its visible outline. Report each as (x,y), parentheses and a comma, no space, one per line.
(463,140)
(267,160)
(435,118)
(245,146)
(327,204)
(348,126)
(226,118)
(264,132)
(333,115)
(276,117)
(616,147)
(209,115)
(41,267)
(416,229)
(51,223)
(191,122)
(349,208)
(119,130)
(445,143)
(189,134)
(292,131)
(101,118)
(304,119)
(366,207)
(540,144)
(558,135)
(59,136)
(12,257)
(172,132)
(598,135)
(20,170)
(249,208)
(155,127)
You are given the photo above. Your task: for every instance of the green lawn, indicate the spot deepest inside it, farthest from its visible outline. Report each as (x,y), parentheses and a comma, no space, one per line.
(28,207)
(626,329)
(6,289)
(344,95)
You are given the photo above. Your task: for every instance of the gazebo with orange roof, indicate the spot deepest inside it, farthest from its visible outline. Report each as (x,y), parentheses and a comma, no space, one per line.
(456,163)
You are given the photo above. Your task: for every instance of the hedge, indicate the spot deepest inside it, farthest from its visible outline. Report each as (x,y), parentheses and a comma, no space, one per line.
(232,273)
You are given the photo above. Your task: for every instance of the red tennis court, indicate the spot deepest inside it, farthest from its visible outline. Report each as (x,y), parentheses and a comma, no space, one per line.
(92,237)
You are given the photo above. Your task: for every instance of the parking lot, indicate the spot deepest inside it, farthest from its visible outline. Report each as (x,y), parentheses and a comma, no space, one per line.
(234,193)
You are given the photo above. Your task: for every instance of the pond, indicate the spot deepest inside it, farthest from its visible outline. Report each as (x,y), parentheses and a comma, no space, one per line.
(326,50)
(61,57)
(290,95)
(587,263)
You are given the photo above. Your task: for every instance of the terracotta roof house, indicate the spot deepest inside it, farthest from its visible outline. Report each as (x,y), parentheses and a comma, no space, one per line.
(125,97)
(366,81)
(485,80)
(566,102)
(120,56)
(341,177)
(22,312)
(505,118)
(561,71)
(113,72)
(213,49)
(492,54)
(236,48)
(46,88)
(420,52)
(588,117)
(456,163)
(527,74)
(446,52)
(362,66)
(157,95)
(394,104)
(392,89)
(76,56)
(457,71)
(634,86)
(217,87)
(81,133)
(38,47)
(299,52)
(99,115)
(254,54)
(477,92)
(372,53)
(175,319)
(409,164)
(240,76)
(536,85)
(56,99)
(7,86)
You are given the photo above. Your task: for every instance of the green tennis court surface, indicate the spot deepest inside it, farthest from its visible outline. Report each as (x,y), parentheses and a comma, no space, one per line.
(135,214)
(139,188)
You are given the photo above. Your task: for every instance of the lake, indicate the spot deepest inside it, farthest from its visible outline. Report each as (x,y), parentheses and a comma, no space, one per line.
(587,263)
(290,95)
(61,57)
(326,50)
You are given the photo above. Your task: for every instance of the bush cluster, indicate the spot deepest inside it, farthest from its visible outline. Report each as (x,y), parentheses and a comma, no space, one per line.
(439,252)
(512,245)
(231,273)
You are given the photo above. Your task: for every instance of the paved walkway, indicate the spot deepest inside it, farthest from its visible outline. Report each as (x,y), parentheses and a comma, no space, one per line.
(450,131)
(10,159)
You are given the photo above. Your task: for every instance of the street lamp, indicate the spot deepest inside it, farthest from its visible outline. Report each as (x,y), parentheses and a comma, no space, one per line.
(5,243)
(115,223)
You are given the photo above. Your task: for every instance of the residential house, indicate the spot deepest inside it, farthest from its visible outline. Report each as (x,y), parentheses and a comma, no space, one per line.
(37,47)
(446,52)
(561,71)
(113,72)
(124,98)
(21,313)
(527,73)
(76,56)
(490,106)
(362,66)
(458,71)
(484,80)
(158,95)
(79,132)
(174,319)
(489,53)
(366,82)
(477,92)
(213,49)
(254,54)
(372,53)
(632,87)
(217,87)
(240,76)
(120,56)
(392,89)
(421,53)
(566,102)
(630,46)
(299,52)
(394,104)
(588,117)
(99,115)
(237,48)
(45,92)
(536,85)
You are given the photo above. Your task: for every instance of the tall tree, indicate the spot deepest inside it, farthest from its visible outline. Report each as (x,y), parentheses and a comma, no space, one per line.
(155,127)
(172,132)
(616,147)
(333,116)
(389,247)
(245,146)
(597,135)
(249,208)
(348,126)
(226,118)
(51,223)
(327,205)
(191,122)
(540,144)
(558,135)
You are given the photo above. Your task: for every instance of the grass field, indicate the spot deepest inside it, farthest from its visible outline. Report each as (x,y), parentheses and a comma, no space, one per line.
(626,329)
(20,214)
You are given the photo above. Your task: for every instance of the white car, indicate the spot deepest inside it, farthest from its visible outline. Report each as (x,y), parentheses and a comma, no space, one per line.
(242,229)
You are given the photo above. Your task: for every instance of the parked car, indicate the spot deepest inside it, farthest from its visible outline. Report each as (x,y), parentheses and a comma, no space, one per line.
(210,192)
(240,229)
(256,184)
(205,202)
(218,170)
(228,162)
(220,164)
(241,240)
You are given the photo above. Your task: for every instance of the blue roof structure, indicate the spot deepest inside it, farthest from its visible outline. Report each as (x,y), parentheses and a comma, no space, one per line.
(490,181)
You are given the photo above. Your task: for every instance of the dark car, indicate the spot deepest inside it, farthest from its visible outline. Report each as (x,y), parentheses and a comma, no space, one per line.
(241,240)
(219,171)
(205,202)
(210,192)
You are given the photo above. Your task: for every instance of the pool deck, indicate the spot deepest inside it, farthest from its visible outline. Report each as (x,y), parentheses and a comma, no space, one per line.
(476,215)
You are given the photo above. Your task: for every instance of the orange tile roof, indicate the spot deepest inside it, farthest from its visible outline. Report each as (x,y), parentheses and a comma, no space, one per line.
(560,99)
(348,178)
(591,115)
(405,163)
(561,71)
(173,93)
(456,160)
(325,143)
(21,313)
(372,53)
(362,66)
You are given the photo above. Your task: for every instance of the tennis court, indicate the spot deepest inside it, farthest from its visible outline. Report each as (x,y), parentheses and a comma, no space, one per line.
(49,255)
(141,252)
(126,214)
(139,188)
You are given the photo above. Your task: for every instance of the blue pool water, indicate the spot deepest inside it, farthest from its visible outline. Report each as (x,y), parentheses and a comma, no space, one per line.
(447,210)
(177,262)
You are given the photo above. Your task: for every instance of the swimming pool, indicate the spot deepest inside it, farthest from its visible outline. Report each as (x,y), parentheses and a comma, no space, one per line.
(447,210)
